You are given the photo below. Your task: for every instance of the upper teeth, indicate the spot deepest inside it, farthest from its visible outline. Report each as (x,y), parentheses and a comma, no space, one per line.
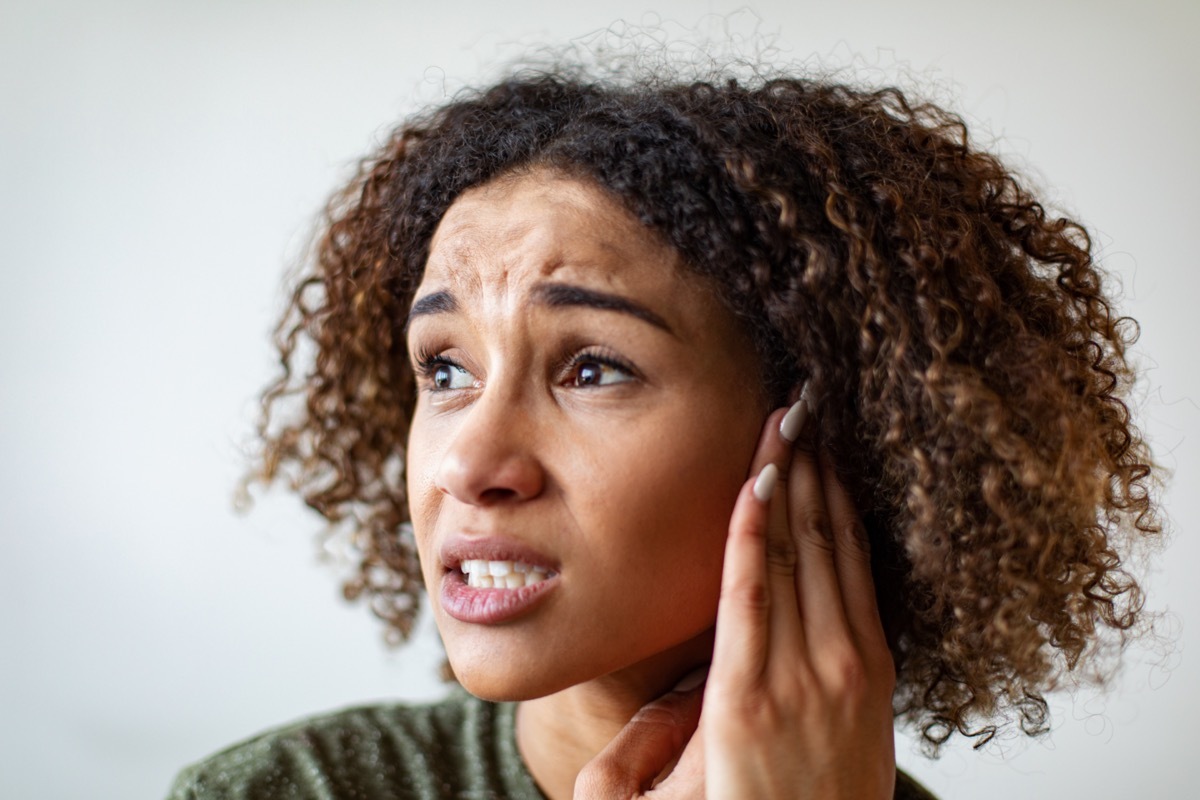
(485,574)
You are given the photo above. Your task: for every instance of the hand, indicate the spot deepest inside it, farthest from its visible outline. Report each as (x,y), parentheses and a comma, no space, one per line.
(798,699)
(798,702)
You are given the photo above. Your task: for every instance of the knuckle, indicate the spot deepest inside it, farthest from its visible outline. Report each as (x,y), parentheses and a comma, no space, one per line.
(750,594)
(816,547)
(853,538)
(816,527)
(741,704)
(601,778)
(847,674)
(815,537)
(781,554)
(657,715)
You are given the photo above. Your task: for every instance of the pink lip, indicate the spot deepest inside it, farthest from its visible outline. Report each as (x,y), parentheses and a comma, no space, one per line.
(490,606)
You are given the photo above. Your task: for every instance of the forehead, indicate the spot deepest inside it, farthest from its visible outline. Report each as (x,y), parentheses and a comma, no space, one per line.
(522,229)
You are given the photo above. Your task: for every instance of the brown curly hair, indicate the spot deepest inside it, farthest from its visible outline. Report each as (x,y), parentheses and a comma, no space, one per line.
(968,366)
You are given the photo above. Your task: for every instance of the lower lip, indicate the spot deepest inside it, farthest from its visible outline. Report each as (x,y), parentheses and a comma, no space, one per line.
(489,606)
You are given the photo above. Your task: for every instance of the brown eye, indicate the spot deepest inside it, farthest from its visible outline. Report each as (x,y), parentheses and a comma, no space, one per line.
(590,371)
(589,374)
(444,376)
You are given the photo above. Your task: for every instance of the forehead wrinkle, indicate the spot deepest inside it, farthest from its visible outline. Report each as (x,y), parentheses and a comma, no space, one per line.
(463,248)
(491,268)
(498,242)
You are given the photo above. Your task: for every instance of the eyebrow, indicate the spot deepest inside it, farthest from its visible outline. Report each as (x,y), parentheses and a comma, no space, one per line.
(553,295)
(436,303)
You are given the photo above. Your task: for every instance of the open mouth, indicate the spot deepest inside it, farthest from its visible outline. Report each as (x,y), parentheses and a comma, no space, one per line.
(480,573)
(486,591)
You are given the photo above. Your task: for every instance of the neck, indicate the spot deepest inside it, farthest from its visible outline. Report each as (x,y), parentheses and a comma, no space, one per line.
(559,733)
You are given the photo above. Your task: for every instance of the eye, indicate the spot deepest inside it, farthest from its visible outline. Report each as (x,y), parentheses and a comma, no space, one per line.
(593,369)
(440,374)
(446,375)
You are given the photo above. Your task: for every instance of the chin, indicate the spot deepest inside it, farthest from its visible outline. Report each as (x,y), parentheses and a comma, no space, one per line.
(501,673)
(488,680)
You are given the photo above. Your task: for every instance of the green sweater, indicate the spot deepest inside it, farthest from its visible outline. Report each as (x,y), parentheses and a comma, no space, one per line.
(462,748)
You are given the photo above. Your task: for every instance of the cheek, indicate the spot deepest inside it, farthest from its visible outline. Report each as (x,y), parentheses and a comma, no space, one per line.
(424,500)
(660,508)
(653,564)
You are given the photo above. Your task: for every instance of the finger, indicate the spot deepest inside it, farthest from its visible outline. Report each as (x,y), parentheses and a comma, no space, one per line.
(651,742)
(740,645)
(852,557)
(779,551)
(757,575)
(822,616)
(779,558)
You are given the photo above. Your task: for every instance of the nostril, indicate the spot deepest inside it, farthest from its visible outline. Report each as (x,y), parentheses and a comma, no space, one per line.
(496,494)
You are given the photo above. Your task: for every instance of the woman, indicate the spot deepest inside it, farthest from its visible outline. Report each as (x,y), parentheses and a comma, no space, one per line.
(782,381)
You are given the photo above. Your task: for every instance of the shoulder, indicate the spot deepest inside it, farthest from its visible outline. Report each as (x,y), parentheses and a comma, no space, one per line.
(461,747)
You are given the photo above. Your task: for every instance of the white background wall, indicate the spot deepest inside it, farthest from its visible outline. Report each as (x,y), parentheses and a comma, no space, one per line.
(159,165)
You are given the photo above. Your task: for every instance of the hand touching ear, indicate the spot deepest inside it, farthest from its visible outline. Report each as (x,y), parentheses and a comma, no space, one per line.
(797,703)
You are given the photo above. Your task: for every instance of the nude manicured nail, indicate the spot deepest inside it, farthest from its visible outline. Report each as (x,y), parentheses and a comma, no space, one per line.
(793,421)
(764,486)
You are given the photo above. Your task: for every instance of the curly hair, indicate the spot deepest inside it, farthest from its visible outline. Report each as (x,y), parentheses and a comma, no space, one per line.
(968,365)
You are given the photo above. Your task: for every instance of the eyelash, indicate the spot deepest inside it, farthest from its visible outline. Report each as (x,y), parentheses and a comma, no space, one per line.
(427,362)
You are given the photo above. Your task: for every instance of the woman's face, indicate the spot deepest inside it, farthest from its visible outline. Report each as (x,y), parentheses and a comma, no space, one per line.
(587,410)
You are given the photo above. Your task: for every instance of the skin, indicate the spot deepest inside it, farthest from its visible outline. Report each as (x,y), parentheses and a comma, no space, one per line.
(626,477)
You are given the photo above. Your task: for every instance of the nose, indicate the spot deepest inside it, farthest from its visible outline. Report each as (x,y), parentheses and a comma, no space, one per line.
(492,457)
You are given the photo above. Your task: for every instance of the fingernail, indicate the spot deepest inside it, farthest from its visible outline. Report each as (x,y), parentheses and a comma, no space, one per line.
(793,421)
(692,679)
(764,485)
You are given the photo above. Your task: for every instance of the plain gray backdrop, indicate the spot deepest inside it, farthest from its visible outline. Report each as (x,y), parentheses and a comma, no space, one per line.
(160,165)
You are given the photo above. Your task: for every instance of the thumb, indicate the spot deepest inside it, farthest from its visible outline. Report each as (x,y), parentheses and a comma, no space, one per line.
(646,746)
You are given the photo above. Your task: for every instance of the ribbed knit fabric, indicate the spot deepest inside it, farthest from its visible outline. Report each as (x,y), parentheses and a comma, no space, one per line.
(461,748)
